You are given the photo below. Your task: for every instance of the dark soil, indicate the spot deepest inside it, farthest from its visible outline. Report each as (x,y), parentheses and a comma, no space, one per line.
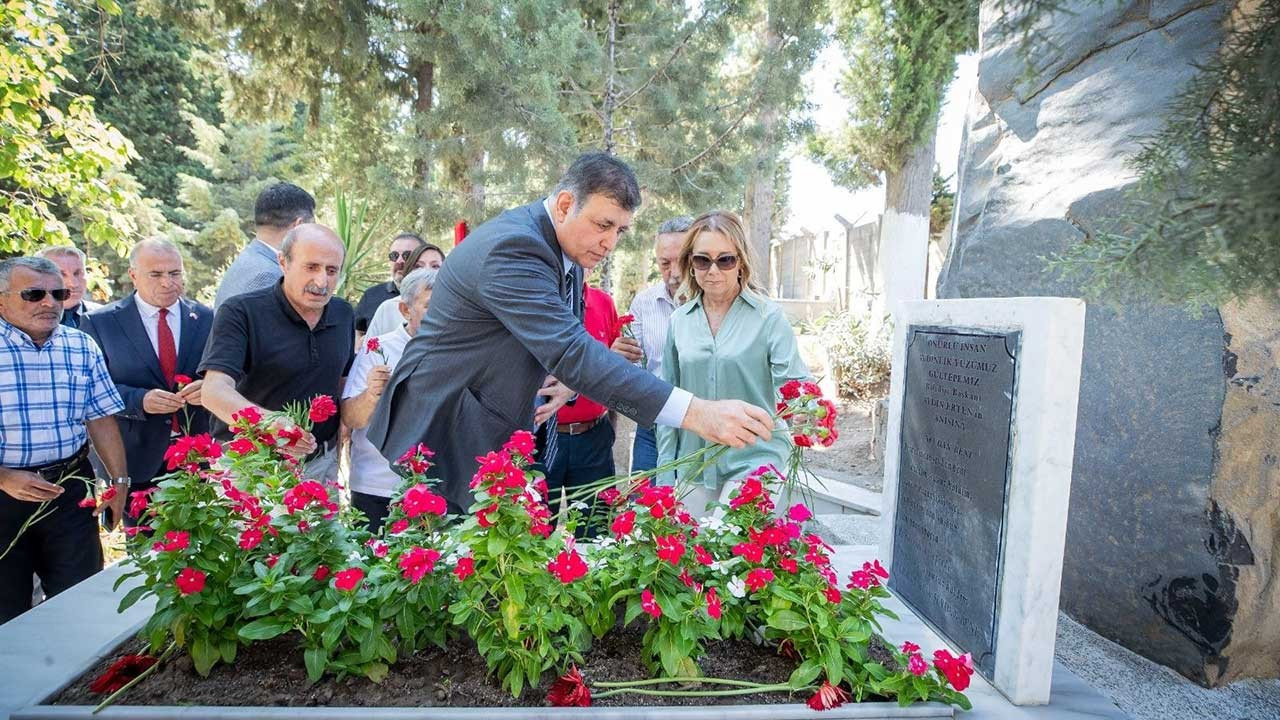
(271,673)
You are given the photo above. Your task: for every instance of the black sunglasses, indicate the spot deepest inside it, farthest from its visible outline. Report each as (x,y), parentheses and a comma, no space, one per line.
(398,255)
(702,263)
(37,294)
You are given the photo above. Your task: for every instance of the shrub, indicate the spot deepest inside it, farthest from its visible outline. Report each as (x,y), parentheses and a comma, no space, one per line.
(859,360)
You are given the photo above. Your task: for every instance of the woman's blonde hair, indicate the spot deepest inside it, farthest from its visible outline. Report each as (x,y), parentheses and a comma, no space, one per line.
(730,226)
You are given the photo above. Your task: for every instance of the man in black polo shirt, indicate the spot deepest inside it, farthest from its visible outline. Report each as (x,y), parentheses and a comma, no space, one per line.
(286,343)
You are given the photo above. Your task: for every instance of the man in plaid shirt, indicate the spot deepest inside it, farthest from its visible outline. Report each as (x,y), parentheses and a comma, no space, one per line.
(55,394)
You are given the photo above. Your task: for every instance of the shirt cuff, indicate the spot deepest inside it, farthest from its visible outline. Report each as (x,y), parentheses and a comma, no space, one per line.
(672,413)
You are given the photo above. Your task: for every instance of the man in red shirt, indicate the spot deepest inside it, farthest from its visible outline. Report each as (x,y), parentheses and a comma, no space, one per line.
(584,444)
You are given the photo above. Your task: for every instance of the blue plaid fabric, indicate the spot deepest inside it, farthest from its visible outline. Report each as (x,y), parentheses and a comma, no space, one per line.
(48,393)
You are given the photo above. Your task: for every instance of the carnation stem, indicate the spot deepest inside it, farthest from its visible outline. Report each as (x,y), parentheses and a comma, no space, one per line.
(665,680)
(173,645)
(699,693)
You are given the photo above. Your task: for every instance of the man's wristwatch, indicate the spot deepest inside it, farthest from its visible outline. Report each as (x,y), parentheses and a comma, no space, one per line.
(122,481)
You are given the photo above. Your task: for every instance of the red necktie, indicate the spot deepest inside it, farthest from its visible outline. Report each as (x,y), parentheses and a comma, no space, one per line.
(168,353)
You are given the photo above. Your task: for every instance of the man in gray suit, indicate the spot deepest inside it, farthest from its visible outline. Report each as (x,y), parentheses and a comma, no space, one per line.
(279,208)
(501,319)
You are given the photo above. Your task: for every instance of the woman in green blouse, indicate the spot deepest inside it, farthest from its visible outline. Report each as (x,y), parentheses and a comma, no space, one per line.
(728,342)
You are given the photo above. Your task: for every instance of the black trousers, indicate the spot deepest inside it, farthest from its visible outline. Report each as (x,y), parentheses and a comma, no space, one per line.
(62,548)
(374,507)
(581,460)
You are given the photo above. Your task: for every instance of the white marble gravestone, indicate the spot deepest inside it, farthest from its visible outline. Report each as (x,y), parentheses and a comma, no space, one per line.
(982,416)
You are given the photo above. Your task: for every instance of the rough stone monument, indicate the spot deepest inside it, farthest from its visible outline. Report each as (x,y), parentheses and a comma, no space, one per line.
(982,409)
(1174,527)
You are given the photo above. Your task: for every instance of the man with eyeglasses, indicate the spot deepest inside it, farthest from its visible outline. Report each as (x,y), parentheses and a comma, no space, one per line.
(402,246)
(71,263)
(151,339)
(55,396)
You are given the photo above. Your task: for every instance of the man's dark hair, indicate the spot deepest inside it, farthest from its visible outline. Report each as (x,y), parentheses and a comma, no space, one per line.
(409,235)
(600,173)
(281,204)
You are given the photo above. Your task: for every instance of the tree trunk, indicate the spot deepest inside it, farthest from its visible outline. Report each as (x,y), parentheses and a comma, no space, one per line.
(424,79)
(606,118)
(761,184)
(904,229)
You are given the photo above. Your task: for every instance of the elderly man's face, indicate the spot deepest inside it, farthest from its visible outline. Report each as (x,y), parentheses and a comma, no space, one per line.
(667,253)
(413,313)
(72,278)
(158,275)
(590,233)
(400,250)
(311,273)
(36,318)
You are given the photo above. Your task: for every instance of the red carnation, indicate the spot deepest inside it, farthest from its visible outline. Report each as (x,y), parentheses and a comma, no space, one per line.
(833,594)
(322,408)
(190,581)
(321,574)
(828,696)
(465,569)
(241,446)
(570,690)
(399,526)
(121,673)
(138,502)
(521,443)
(87,502)
(250,415)
(349,579)
(702,555)
(181,381)
(174,540)
(250,539)
(419,500)
(623,322)
(373,345)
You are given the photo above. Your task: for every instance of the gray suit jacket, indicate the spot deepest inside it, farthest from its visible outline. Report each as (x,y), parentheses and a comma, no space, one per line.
(497,324)
(256,267)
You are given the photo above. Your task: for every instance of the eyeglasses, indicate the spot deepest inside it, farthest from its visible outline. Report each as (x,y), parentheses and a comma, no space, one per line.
(702,263)
(37,294)
(399,255)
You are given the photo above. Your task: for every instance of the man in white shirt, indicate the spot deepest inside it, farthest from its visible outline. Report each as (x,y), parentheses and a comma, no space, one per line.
(152,341)
(373,481)
(652,308)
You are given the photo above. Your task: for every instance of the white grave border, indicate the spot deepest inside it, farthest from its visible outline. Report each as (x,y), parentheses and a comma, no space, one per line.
(1041,450)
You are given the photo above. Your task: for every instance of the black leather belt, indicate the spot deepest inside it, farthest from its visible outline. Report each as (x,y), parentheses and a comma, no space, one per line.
(54,471)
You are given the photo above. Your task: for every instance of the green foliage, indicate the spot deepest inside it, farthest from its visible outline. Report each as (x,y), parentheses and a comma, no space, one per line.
(901,58)
(941,206)
(859,361)
(238,161)
(361,262)
(61,168)
(141,73)
(1201,223)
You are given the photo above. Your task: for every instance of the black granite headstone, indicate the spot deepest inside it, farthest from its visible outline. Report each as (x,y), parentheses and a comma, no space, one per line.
(953,475)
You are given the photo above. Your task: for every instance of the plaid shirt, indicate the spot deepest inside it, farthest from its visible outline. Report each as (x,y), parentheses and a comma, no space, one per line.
(48,393)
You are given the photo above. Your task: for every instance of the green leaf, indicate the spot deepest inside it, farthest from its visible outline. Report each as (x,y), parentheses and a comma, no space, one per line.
(787,621)
(316,660)
(132,597)
(834,662)
(805,674)
(228,650)
(497,544)
(263,629)
(203,655)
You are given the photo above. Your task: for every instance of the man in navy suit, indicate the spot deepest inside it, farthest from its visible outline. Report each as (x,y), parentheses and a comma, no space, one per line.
(502,317)
(151,338)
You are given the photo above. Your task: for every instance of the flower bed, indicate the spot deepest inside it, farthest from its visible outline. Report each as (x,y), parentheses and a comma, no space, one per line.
(239,549)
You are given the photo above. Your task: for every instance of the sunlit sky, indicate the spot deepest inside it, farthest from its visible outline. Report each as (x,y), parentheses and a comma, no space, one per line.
(813,197)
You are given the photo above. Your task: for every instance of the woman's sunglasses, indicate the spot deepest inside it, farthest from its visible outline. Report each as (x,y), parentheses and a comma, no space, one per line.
(37,294)
(702,263)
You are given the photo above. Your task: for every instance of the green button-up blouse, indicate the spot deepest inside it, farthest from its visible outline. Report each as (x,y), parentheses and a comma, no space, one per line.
(752,355)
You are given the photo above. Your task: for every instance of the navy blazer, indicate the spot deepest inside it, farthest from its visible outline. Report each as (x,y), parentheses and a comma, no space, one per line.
(134,367)
(499,321)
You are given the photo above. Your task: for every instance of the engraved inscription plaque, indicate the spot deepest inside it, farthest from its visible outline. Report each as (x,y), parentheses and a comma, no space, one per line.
(953,475)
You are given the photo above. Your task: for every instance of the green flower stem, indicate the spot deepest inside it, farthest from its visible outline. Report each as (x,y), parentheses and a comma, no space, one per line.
(783,687)
(173,645)
(665,680)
